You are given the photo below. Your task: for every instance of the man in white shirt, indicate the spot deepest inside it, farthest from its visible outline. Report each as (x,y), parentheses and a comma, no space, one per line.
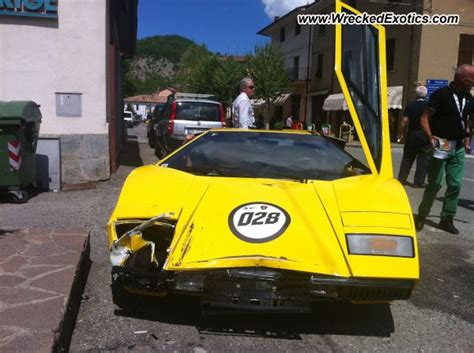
(242,112)
(289,122)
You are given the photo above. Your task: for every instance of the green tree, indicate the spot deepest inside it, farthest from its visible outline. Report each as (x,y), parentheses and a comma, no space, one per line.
(195,70)
(226,80)
(268,70)
(200,71)
(170,47)
(129,87)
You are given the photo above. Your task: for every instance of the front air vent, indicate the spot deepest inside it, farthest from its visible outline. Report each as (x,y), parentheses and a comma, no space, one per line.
(374,293)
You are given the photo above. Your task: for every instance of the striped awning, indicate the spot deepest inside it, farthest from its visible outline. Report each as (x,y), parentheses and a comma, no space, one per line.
(337,101)
(280,100)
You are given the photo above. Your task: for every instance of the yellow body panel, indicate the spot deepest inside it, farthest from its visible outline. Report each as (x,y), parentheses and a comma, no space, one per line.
(376,219)
(308,244)
(314,241)
(321,213)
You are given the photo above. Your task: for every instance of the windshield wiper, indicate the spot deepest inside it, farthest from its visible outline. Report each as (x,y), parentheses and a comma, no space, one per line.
(201,171)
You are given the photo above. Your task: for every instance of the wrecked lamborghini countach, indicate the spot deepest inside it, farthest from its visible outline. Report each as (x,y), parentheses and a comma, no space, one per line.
(273,220)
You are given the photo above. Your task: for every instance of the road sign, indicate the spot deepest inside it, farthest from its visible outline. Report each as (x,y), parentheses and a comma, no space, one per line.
(433,85)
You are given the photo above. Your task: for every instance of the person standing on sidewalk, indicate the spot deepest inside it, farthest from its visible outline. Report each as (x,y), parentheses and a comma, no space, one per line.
(417,145)
(243,116)
(446,123)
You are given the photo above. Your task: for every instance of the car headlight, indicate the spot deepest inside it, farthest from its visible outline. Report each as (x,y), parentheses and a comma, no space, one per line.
(383,245)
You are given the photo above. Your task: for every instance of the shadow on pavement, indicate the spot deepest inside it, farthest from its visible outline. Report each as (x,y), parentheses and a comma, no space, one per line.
(6,198)
(446,279)
(325,318)
(130,154)
(467,204)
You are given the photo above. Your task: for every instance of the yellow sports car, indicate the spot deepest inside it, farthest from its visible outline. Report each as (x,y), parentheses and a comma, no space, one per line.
(273,220)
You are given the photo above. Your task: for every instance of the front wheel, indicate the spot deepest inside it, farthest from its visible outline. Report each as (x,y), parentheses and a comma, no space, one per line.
(124,299)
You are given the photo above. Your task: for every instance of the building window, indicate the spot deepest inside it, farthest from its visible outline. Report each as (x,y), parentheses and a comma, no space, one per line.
(295,107)
(391,54)
(282,34)
(322,29)
(296,67)
(466,49)
(297,28)
(319,67)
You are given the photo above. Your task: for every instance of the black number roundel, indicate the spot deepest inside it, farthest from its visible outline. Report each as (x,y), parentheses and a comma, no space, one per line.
(258,222)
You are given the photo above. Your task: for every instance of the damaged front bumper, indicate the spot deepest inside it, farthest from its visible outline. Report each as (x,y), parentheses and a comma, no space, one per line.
(261,289)
(142,241)
(141,249)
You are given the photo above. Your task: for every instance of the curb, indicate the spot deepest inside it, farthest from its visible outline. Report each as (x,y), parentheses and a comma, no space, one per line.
(63,336)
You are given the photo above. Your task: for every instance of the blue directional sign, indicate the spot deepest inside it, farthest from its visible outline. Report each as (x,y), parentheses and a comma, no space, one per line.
(433,85)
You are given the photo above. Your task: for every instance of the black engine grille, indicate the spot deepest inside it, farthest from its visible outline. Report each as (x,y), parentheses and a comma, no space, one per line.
(373,293)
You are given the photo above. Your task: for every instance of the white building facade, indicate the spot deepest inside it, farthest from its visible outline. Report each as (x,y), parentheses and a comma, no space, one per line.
(65,56)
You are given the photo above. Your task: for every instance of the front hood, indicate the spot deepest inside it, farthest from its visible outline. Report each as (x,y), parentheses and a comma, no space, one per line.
(253,223)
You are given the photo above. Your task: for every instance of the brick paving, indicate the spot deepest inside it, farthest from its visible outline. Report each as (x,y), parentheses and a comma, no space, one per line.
(42,275)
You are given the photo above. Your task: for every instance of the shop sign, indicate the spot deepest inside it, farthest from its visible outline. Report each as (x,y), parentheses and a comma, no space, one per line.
(29,8)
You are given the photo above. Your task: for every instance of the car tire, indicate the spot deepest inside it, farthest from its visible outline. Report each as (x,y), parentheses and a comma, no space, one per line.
(124,299)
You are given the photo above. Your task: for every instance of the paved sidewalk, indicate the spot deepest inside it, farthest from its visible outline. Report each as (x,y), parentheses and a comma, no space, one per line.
(42,276)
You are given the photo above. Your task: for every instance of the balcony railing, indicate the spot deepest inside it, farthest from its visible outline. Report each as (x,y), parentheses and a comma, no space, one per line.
(298,73)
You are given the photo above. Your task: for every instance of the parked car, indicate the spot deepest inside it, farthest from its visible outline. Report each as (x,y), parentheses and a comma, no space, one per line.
(151,122)
(262,220)
(185,116)
(128,118)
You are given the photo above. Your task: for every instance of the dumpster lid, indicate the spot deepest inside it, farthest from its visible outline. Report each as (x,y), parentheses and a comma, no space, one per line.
(26,110)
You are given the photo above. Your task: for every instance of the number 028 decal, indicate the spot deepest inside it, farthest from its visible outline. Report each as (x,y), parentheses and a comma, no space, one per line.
(258,222)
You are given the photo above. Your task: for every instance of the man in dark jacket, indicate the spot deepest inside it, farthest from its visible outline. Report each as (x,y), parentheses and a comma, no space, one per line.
(417,145)
(446,123)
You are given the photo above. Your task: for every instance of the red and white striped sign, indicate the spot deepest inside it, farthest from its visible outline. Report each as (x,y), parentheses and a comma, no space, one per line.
(14,155)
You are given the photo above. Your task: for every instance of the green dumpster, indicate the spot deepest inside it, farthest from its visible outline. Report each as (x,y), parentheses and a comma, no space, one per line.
(19,129)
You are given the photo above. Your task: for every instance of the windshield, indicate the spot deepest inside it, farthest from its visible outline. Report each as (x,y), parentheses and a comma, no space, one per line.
(198,111)
(265,155)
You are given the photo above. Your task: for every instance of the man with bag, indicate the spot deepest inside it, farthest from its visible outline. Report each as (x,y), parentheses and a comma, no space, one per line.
(446,123)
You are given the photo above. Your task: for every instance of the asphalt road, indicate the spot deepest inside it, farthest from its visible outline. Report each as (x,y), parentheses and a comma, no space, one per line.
(438,317)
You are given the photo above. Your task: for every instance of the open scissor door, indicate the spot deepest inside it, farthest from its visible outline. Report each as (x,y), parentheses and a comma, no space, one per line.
(361,70)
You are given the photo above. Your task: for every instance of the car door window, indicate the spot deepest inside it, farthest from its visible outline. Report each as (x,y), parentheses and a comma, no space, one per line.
(360,65)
